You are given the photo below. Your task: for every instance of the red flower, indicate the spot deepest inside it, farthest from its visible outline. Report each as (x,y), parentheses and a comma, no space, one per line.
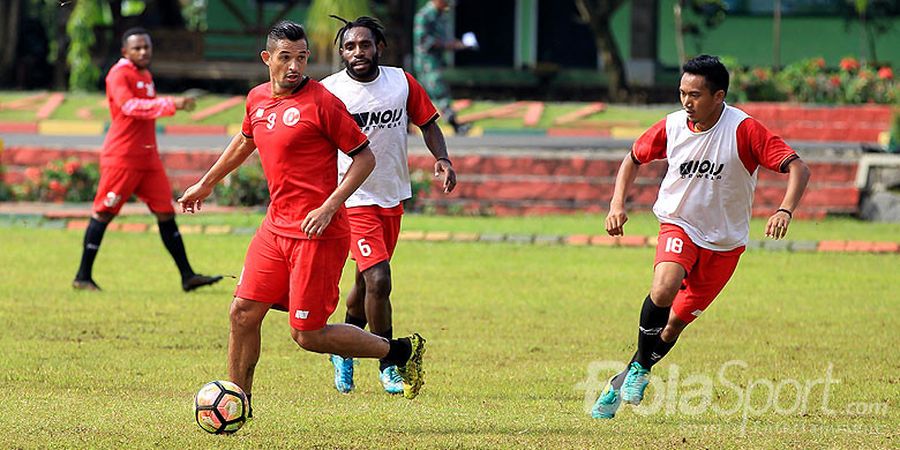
(810,81)
(71,167)
(33,174)
(820,62)
(885,73)
(849,64)
(761,74)
(835,80)
(56,186)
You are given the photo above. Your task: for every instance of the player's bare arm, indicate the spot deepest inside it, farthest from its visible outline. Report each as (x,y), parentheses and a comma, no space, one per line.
(318,219)
(234,155)
(617,216)
(798,177)
(443,168)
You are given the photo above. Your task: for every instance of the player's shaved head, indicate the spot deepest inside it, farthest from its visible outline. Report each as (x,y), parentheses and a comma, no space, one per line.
(285,30)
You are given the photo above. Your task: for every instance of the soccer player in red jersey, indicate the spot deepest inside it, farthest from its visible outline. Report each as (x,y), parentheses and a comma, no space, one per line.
(294,262)
(383,100)
(714,152)
(129,161)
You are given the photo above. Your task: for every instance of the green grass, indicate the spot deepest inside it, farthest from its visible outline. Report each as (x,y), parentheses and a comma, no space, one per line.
(645,224)
(512,333)
(75,101)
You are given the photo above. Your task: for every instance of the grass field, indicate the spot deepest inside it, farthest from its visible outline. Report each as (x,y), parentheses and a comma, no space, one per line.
(517,335)
(68,110)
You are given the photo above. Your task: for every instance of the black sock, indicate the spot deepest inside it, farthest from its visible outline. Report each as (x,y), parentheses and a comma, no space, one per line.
(388,334)
(171,238)
(661,349)
(93,235)
(653,320)
(399,353)
(359,322)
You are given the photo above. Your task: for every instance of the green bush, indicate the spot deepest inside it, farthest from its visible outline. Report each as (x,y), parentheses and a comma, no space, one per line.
(244,187)
(59,181)
(811,81)
(420,184)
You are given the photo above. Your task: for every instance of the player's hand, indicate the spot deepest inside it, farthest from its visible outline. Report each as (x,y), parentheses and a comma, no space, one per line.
(317,220)
(615,220)
(444,171)
(185,103)
(193,197)
(777,226)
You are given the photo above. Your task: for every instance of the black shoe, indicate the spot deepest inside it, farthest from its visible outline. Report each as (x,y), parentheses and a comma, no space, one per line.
(462,129)
(85,285)
(198,280)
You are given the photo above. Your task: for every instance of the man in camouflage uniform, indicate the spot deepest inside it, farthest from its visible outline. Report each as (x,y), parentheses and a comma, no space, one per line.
(432,38)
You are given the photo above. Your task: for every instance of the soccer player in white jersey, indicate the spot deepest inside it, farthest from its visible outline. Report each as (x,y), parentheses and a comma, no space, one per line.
(383,100)
(714,152)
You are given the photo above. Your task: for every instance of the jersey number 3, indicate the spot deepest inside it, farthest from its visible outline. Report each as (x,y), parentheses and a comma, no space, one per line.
(674,245)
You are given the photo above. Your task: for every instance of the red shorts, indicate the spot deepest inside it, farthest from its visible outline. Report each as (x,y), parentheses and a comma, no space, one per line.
(707,270)
(117,184)
(300,276)
(373,233)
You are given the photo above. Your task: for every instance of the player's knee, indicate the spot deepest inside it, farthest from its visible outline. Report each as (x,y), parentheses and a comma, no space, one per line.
(307,340)
(671,332)
(663,294)
(102,216)
(378,282)
(164,217)
(242,316)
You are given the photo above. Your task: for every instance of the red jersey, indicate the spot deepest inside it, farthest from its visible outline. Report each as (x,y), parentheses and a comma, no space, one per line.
(298,136)
(134,107)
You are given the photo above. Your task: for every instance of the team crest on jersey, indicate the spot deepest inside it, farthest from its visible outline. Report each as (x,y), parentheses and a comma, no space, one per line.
(260,112)
(112,199)
(291,116)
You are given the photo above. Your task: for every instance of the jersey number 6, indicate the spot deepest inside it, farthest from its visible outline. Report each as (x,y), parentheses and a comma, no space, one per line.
(364,249)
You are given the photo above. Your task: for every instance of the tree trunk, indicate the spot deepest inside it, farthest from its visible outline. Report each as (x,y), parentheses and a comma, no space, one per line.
(612,64)
(598,15)
(679,33)
(9,34)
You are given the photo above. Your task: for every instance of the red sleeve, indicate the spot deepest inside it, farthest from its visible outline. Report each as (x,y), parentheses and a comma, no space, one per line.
(651,145)
(246,129)
(339,126)
(119,91)
(757,146)
(419,107)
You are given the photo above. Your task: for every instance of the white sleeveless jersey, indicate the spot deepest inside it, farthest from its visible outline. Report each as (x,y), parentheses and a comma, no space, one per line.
(379,107)
(707,190)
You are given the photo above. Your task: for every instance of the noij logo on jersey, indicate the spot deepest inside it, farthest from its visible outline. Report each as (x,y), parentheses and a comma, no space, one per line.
(379,119)
(701,169)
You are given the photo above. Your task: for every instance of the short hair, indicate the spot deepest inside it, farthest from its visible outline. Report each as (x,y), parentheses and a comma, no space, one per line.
(711,69)
(132,32)
(371,23)
(285,30)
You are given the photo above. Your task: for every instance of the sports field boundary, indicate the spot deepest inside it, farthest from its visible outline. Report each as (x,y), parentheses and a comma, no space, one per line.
(574,240)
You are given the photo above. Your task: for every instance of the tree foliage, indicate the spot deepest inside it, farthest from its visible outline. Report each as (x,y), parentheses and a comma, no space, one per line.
(83,73)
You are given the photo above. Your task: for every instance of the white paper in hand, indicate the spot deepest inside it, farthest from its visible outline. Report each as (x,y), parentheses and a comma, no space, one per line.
(469,40)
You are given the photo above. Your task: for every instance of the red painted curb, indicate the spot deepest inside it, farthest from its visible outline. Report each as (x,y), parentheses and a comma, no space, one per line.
(195,129)
(18,127)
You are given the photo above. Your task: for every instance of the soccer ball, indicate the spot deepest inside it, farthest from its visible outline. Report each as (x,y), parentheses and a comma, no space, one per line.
(220,407)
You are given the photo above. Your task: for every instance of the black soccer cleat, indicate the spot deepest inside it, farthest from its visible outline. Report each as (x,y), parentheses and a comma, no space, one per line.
(198,281)
(85,285)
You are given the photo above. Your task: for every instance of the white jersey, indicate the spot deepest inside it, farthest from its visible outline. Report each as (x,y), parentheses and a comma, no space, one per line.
(379,107)
(707,190)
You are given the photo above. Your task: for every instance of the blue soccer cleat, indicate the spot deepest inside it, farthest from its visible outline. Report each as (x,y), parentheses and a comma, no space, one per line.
(606,406)
(635,383)
(343,373)
(391,380)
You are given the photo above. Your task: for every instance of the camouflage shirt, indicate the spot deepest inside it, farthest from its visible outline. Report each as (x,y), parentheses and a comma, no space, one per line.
(431,32)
